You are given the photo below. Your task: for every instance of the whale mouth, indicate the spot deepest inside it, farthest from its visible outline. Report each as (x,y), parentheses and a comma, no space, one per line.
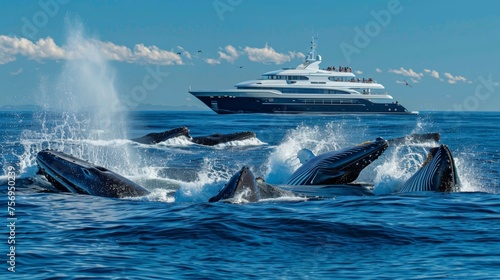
(48,161)
(70,174)
(438,173)
(242,185)
(339,166)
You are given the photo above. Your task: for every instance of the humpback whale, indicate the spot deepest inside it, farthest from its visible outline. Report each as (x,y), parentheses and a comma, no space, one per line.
(211,140)
(243,184)
(215,139)
(70,174)
(438,173)
(325,175)
(337,167)
(154,138)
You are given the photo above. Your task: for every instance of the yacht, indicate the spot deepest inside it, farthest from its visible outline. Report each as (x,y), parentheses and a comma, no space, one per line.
(304,89)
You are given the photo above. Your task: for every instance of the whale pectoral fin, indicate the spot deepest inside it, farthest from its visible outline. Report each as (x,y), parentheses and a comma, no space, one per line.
(305,155)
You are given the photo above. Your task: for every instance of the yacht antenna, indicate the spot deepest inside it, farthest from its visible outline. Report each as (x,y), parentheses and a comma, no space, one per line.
(312,53)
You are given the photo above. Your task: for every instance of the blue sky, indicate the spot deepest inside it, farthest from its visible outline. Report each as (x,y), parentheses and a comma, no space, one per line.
(447,50)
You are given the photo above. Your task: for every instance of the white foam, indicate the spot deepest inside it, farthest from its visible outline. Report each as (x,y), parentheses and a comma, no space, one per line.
(467,172)
(396,166)
(104,143)
(211,178)
(254,141)
(180,141)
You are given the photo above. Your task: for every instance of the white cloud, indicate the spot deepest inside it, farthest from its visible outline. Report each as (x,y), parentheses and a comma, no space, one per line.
(269,55)
(212,61)
(378,70)
(114,52)
(408,73)
(154,55)
(229,54)
(294,55)
(184,52)
(15,73)
(11,47)
(358,72)
(433,73)
(46,49)
(454,79)
(265,55)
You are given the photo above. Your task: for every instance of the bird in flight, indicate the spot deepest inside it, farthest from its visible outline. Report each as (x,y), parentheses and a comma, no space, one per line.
(407,84)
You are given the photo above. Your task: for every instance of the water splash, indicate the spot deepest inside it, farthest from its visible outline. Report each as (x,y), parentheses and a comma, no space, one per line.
(319,139)
(87,84)
(396,166)
(181,141)
(400,163)
(81,109)
(470,180)
(254,141)
(387,174)
(210,179)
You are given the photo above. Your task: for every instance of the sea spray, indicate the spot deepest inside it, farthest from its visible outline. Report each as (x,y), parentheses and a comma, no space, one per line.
(212,176)
(396,166)
(470,175)
(81,108)
(319,139)
(87,85)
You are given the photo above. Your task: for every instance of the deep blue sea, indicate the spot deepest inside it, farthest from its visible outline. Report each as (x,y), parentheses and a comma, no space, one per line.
(174,233)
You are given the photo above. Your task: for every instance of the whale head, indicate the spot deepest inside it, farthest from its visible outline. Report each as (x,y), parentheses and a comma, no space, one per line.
(71,174)
(242,184)
(438,173)
(154,138)
(338,167)
(216,139)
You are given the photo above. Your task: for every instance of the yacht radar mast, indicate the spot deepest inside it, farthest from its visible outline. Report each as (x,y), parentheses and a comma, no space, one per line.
(312,60)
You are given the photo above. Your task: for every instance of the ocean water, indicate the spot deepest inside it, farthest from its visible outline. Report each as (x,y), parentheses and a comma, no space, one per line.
(174,233)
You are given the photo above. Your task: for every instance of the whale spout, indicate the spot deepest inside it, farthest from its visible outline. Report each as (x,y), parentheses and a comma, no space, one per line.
(70,174)
(438,173)
(242,184)
(338,167)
